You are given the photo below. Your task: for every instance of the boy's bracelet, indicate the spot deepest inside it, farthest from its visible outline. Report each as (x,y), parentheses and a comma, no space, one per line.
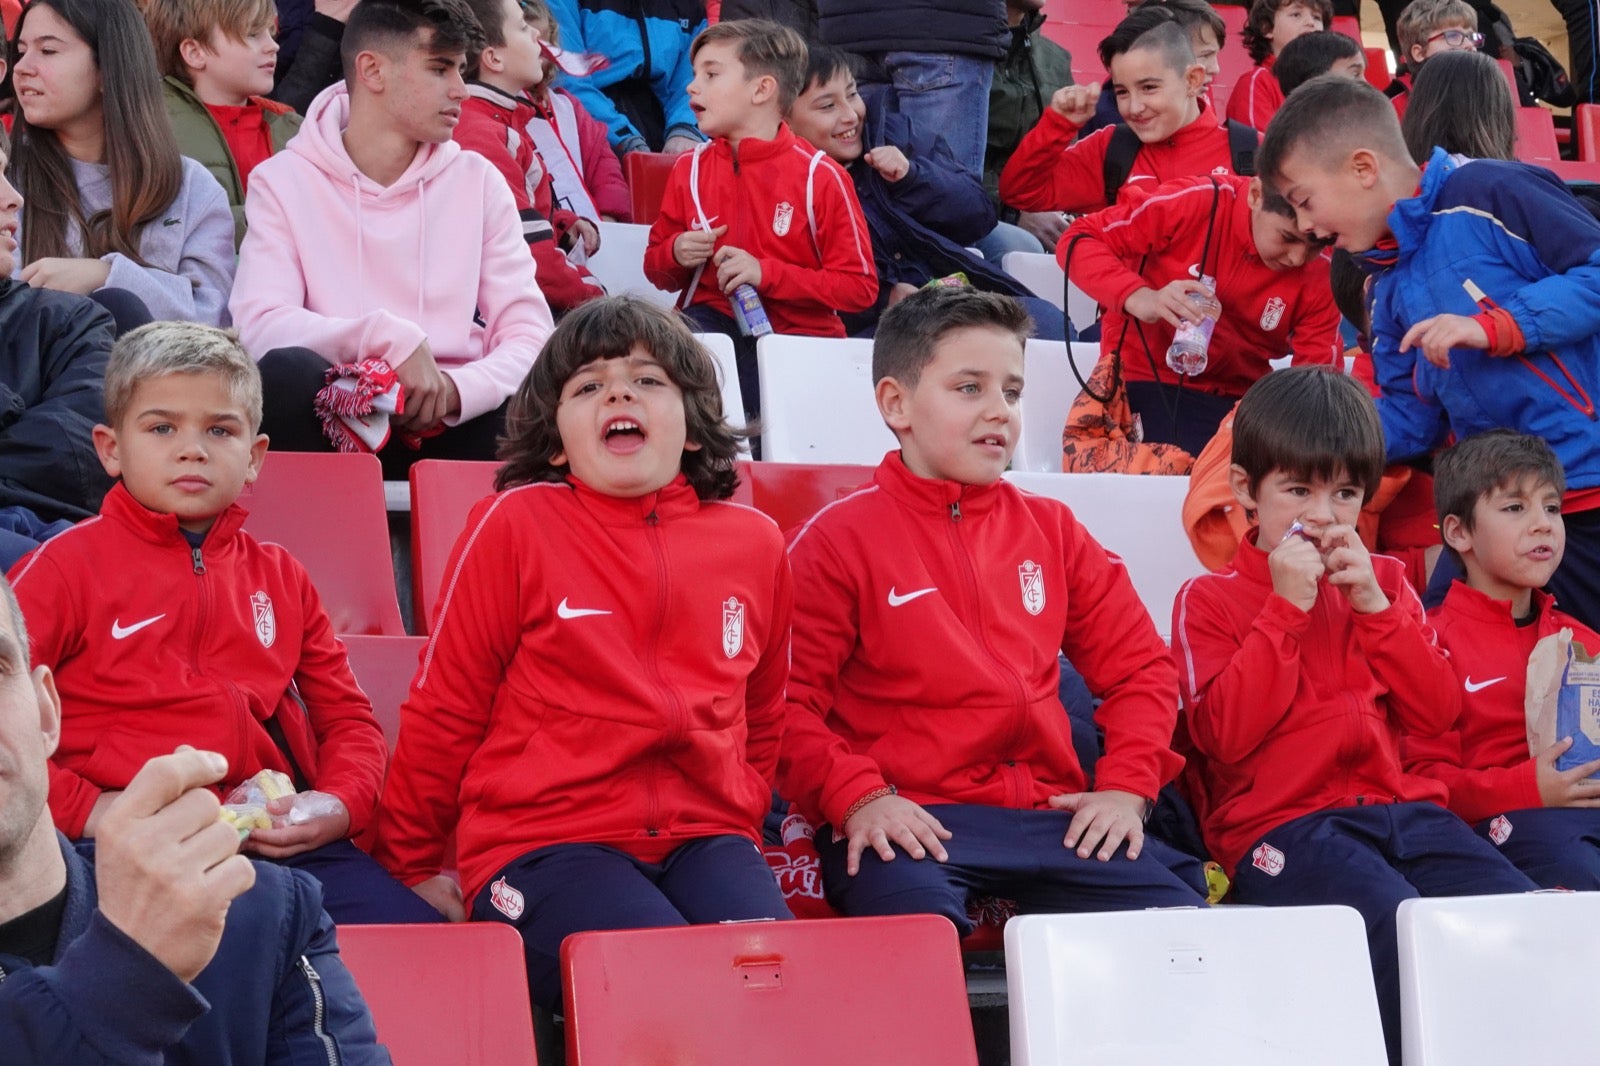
(875,794)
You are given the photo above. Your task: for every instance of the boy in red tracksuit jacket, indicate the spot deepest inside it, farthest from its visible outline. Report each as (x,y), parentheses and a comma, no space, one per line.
(1160,89)
(756,205)
(1300,663)
(1499,505)
(166,624)
(494,123)
(1271,25)
(598,711)
(1141,260)
(930,611)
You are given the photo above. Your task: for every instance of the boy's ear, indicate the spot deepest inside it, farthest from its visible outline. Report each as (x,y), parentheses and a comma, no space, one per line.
(766,88)
(1255,196)
(258,455)
(892,399)
(1414,60)
(489,59)
(1366,167)
(105,447)
(193,53)
(1239,482)
(1455,534)
(1195,79)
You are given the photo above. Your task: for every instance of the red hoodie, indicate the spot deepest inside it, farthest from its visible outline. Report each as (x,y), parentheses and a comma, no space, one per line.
(1049,172)
(1484,760)
(764,191)
(603,670)
(1266,313)
(495,125)
(1297,712)
(928,619)
(1256,98)
(155,644)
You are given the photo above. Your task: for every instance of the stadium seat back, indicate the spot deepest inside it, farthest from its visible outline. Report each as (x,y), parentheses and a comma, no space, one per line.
(442,494)
(1047,396)
(790,493)
(886,991)
(454,994)
(1247,986)
(720,345)
(647,174)
(1536,136)
(384,667)
(1140,518)
(327,510)
(1082,42)
(1490,980)
(817,402)
(1349,25)
(1586,120)
(1378,74)
(619,264)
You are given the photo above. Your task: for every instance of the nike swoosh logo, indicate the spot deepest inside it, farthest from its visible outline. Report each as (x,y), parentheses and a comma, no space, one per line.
(1475,686)
(900,601)
(576,612)
(121,632)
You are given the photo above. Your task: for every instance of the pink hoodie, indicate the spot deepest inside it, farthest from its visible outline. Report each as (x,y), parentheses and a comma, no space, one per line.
(337,263)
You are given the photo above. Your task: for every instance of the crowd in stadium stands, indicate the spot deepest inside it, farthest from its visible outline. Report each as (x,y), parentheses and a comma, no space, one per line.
(375,226)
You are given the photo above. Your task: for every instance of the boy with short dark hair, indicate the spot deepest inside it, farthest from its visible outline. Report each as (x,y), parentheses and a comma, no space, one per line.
(494,124)
(930,609)
(1313,54)
(383,249)
(1499,505)
(217,59)
(1426,28)
(1142,262)
(1485,311)
(1160,88)
(756,205)
(1272,24)
(1300,664)
(165,624)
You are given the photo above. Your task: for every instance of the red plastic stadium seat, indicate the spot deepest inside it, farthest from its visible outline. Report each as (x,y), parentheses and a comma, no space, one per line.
(1094,12)
(1235,58)
(1378,75)
(1510,74)
(887,991)
(1586,120)
(647,174)
(327,509)
(792,492)
(1348,25)
(1536,136)
(1082,42)
(453,994)
(384,667)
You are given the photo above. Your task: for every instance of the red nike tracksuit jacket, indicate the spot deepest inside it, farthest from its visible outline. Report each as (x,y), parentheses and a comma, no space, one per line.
(155,644)
(1296,712)
(1048,171)
(796,213)
(928,617)
(603,670)
(1484,761)
(1266,313)
(1256,97)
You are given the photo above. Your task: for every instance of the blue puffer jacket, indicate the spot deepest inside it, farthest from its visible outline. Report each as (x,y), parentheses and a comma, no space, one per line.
(642,38)
(1516,233)
(276,994)
(962,27)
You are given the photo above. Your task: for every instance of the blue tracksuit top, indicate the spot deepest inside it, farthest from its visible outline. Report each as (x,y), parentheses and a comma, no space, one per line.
(1517,234)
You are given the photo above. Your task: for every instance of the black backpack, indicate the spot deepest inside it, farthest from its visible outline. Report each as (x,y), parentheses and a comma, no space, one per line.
(1541,75)
(1125,144)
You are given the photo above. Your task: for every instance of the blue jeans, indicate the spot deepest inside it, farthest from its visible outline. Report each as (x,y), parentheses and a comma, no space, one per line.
(948,93)
(1004,238)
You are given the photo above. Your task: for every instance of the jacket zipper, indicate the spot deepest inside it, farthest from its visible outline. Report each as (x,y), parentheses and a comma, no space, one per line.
(674,725)
(319,1011)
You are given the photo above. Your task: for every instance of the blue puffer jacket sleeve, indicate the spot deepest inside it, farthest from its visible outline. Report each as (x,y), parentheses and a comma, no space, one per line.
(1413,426)
(937,191)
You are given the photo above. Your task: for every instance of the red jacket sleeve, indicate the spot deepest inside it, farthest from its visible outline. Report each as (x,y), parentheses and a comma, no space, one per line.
(848,278)
(817,769)
(1234,692)
(1048,172)
(677,216)
(446,715)
(1314,334)
(1104,242)
(351,752)
(1251,102)
(1402,652)
(602,171)
(1474,794)
(1112,642)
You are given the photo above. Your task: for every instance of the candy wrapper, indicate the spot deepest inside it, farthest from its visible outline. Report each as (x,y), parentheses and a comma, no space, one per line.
(246,806)
(1563,699)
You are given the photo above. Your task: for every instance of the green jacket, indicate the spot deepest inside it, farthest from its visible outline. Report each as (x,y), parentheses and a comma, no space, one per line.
(201,139)
(1032,69)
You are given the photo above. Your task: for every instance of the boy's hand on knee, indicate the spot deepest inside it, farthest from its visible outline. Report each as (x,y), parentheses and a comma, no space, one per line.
(308,835)
(444,896)
(890,820)
(1437,335)
(1296,566)
(694,246)
(1104,820)
(1565,788)
(1349,567)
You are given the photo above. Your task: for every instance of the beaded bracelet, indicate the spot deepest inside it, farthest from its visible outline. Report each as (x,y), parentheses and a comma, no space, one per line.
(875,794)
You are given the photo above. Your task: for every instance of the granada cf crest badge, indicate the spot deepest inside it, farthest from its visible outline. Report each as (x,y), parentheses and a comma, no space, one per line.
(266,623)
(732,627)
(1031,574)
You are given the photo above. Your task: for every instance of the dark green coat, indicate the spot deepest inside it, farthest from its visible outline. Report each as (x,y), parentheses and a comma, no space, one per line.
(1031,70)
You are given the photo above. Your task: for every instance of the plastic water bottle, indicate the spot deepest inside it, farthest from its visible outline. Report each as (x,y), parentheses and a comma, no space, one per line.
(1191,342)
(748,312)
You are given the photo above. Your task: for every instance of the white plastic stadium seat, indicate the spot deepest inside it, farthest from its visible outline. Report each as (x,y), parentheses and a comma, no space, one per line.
(1046,399)
(1494,980)
(817,402)
(619,264)
(720,345)
(1246,986)
(1040,272)
(1140,518)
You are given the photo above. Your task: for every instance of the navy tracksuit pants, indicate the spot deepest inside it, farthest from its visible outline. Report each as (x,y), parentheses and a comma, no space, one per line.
(575,888)
(358,891)
(1015,854)
(1558,847)
(1371,858)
